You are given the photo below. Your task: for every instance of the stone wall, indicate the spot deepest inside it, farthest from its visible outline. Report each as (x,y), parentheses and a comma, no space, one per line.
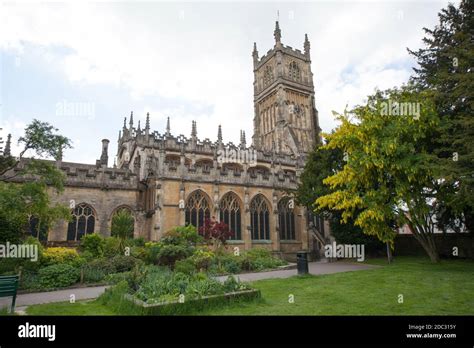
(407,245)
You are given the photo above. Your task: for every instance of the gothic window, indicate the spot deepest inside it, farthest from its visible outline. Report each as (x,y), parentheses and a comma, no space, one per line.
(267,75)
(83,222)
(229,212)
(294,71)
(286,219)
(36,229)
(197,209)
(259,218)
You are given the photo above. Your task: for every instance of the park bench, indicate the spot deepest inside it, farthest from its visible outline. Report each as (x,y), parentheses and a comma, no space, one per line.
(8,287)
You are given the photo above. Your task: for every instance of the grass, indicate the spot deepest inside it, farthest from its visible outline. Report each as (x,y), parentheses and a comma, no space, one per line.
(67,308)
(446,288)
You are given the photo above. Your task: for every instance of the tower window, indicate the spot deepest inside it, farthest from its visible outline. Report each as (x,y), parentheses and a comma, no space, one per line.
(294,71)
(267,76)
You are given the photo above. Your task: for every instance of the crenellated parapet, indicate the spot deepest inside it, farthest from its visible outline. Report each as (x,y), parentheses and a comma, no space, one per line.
(165,156)
(85,175)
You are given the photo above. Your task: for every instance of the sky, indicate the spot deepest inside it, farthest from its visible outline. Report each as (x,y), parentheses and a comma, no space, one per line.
(85,66)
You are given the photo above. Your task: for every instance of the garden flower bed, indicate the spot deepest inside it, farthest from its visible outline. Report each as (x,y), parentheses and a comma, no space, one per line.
(200,303)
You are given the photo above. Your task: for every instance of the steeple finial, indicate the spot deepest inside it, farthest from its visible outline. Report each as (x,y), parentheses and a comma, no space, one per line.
(139,128)
(219,134)
(125,122)
(131,120)
(193,129)
(243,142)
(147,123)
(7,151)
(277,33)
(307,45)
(255,54)
(168,129)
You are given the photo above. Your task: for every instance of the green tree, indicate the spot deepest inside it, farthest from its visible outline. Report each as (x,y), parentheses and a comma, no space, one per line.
(445,69)
(323,162)
(25,183)
(122,226)
(389,179)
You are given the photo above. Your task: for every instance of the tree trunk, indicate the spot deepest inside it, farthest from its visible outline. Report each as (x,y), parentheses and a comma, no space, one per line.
(428,244)
(389,253)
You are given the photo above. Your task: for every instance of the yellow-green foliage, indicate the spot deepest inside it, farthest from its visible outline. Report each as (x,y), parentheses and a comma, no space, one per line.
(59,255)
(388,176)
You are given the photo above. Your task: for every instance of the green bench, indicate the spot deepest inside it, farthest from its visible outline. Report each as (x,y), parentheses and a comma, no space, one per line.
(8,287)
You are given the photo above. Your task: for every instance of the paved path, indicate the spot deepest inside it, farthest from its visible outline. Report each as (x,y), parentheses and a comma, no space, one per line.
(94,292)
(314,268)
(59,295)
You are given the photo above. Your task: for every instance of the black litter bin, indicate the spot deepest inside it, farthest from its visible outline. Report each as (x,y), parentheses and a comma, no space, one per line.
(302,262)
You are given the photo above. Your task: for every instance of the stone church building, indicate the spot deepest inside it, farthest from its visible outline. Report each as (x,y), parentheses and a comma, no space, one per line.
(166,180)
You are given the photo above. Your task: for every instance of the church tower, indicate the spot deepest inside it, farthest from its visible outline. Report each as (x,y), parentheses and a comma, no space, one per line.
(286,119)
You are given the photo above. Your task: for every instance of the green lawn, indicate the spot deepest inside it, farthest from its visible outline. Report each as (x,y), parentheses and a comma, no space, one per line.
(427,289)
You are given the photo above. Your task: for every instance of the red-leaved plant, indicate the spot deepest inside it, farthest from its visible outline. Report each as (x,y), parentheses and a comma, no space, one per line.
(215,233)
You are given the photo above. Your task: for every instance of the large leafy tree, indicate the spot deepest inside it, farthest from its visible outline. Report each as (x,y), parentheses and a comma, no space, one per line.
(390,179)
(323,162)
(19,199)
(445,68)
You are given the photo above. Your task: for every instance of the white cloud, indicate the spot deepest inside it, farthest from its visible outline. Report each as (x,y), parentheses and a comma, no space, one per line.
(203,58)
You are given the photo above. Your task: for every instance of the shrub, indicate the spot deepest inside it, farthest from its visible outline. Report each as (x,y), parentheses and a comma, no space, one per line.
(136,242)
(112,247)
(28,264)
(116,264)
(231,284)
(139,252)
(258,259)
(257,253)
(168,254)
(185,266)
(122,226)
(202,259)
(133,277)
(199,287)
(93,244)
(182,235)
(164,285)
(177,244)
(57,276)
(103,264)
(215,233)
(151,252)
(9,228)
(93,274)
(230,263)
(29,280)
(122,263)
(60,255)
